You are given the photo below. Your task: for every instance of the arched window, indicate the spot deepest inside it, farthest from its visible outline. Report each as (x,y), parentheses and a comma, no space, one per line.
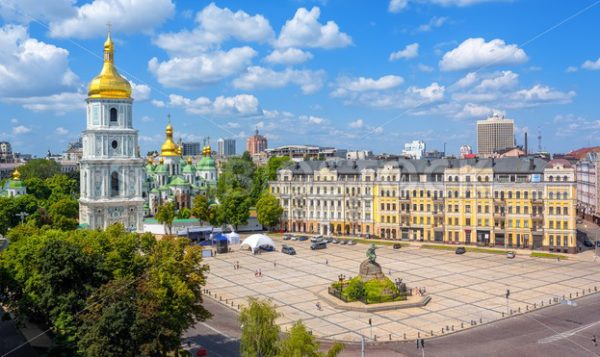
(113,115)
(114,184)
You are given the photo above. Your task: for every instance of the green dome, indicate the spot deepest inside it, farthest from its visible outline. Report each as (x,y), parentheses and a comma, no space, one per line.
(178,181)
(16,184)
(207,163)
(154,190)
(189,169)
(164,188)
(160,169)
(149,168)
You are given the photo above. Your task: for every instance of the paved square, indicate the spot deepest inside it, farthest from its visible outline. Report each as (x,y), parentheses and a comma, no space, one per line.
(464,288)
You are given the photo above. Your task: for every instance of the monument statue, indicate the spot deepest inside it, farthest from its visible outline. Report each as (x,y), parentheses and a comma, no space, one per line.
(370,269)
(371,253)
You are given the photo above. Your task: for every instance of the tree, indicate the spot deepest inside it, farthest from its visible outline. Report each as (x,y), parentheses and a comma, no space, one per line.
(40,168)
(200,208)
(235,208)
(236,174)
(303,344)
(62,184)
(64,213)
(184,213)
(166,215)
(37,187)
(268,210)
(259,330)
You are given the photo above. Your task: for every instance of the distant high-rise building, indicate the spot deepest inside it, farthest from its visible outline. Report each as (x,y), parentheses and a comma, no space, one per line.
(495,133)
(415,149)
(6,154)
(191,149)
(226,147)
(464,151)
(256,144)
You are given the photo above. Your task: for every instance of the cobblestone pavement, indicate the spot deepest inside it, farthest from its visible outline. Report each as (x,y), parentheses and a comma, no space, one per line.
(464,288)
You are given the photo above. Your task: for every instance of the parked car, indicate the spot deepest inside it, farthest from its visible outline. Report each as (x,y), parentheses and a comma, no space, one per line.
(318,245)
(267,248)
(287,236)
(201,352)
(588,243)
(294,238)
(302,238)
(397,246)
(344,242)
(351,242)
(316,239)
(286,249)
(511,255)
(328,239)
(335,241)
(460,250)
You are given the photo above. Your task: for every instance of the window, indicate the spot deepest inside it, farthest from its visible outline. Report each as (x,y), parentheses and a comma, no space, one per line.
(113,115)
(114,184)
(114,144)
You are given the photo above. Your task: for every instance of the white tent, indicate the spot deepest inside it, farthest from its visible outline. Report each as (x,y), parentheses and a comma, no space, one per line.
(233,238)
(257,240)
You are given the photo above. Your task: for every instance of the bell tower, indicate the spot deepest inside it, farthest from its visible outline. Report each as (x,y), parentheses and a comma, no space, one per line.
(112,172)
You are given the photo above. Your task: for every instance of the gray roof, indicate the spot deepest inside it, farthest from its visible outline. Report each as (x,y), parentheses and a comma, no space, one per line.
(505,165)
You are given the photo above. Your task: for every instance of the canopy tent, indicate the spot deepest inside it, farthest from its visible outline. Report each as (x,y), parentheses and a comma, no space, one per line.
(257,240)
(233,238)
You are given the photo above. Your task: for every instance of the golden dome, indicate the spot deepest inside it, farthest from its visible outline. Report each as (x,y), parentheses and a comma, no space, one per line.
(109,83)
(206,151)
(16,175)
(169,148)
(150,160)
(161,160)
(189,160)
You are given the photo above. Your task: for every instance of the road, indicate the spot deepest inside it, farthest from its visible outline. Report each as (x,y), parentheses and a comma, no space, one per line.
(559,330)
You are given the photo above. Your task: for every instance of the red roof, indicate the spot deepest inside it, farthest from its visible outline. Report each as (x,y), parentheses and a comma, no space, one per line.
(581,153)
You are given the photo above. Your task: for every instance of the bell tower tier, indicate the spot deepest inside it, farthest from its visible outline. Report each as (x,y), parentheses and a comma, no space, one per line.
(112,171)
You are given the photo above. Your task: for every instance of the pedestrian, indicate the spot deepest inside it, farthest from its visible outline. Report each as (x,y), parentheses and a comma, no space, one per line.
(390,272)
(255,273)
(595,341)
(318,304)
(259,273)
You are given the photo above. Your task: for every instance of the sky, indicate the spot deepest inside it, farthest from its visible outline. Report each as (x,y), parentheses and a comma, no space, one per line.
(353,74)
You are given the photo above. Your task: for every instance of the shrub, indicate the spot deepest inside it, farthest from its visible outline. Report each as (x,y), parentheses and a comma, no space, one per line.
(355,290)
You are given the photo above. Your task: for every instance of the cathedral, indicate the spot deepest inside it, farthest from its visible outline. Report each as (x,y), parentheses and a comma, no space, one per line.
(13,187)
(174,179)
(112,171)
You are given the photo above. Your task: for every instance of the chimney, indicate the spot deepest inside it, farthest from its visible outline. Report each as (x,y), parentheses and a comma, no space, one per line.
(526,152)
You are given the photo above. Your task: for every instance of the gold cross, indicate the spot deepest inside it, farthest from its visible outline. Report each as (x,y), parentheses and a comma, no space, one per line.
(109,26)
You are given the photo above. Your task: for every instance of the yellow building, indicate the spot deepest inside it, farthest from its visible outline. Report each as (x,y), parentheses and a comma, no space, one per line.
(507,202)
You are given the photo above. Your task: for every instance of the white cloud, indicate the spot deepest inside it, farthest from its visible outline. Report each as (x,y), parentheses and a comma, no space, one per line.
(432,93)
(289,56)
(14,121)
(475,52)
(397,5)
(357,124)
(424,68)
(21,129)
(158,103)
(61,131)
(591,65)
(311,119)
(147,119)
(259,77)
(194,72)
(304,30)
(539,94)
(58,103)
(216,25)
(410,51)
(29,67)
(26,11)
(501,80)
(232,125)
(242,104)
(347,85)
(126,16)
(435,22)
(471,110)
(571,69)
(460,3)
(141,92)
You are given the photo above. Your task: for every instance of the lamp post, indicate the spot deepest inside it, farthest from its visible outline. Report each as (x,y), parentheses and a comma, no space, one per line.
(22,215)
(341,278)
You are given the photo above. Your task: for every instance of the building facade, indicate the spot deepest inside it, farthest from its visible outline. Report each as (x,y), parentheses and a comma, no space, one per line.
(256,144)
(6,154)
(226,147)
(414,150)
(493,134)
(587,170)
(511,202)
(191,149)
(306,152)
(112,170)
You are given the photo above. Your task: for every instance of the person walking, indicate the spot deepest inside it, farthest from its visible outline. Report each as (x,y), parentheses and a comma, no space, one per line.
(595,341)
(259,273)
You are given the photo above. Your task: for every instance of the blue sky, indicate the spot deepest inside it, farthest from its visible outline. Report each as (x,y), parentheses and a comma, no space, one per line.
(346,73)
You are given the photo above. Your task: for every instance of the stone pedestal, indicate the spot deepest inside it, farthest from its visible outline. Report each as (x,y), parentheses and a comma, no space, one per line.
(370,270)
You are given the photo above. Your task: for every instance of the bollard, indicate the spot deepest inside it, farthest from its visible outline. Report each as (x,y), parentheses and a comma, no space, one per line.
(542,304)
(534,306)
(480,320)
(405,335)
(447,328)
(238,306)
(418,334)
(463,326)
(442,330)
(570,296)
(595,288)
(431,333)
(502,314)
(589,290)
(390,336)
(519,309)
(375,337)
(576,293)
(527,307)
(452,327)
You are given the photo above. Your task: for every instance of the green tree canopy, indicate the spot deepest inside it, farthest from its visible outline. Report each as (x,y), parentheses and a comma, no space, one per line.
(301,343)
(166,215)
(64,213)
(268,210)
(40,168)
(236,174)
(260,333)
(200,208)
(235,208)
